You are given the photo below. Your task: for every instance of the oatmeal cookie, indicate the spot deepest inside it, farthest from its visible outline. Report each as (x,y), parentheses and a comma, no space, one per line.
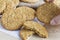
(11,20)
(26,12)
(46,12)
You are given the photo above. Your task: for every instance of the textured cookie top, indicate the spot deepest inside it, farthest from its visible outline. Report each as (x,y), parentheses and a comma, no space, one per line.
(11,20)
(46,12)
(30,1)
(25,34)
(38,28)
(26,12)
(2,5)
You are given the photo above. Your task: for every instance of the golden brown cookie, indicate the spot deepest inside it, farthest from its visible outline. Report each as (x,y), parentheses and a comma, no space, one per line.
(25,34)
(46,12)
(2,5)
(11,20)
(30,1)
(38,28)
(26,12)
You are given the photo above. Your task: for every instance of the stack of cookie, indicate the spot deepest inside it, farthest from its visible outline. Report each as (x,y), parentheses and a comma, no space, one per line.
(15,18)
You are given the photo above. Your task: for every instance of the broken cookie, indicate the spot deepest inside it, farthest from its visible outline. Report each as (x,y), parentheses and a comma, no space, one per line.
(25,34)
(36,27)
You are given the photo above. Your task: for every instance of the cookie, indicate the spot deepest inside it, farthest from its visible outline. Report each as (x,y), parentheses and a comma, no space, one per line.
(46,12)
(36,27)
(25,34)
(30,1)
(11,20)
(57,2)
(16,2)
(2,5)
(26,12)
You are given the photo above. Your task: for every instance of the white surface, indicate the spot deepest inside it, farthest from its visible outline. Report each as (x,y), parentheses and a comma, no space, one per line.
(4,36)
(34,5)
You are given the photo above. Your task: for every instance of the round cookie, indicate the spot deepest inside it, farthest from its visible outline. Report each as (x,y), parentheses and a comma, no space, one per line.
(16,2)
(2,5)
(11,20)
(26,12)
(46,12)
(30,1)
